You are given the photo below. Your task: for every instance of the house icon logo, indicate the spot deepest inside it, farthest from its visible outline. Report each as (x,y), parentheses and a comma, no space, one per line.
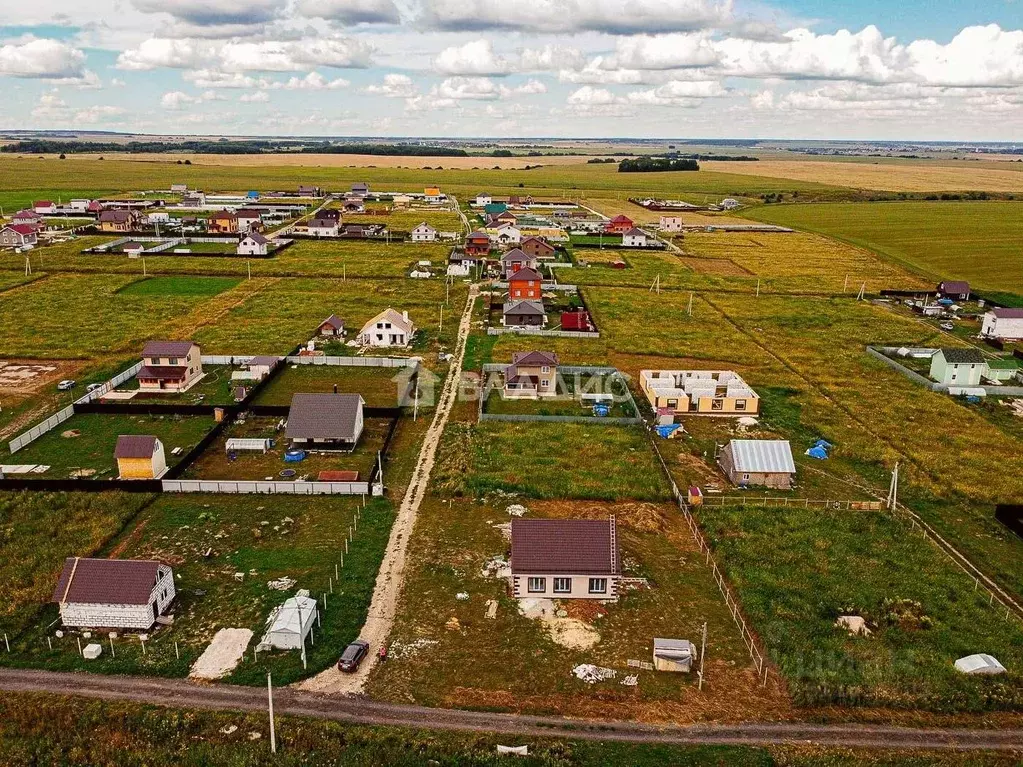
(420,378)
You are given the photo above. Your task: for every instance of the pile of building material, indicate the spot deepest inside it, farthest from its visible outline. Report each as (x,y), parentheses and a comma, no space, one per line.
(591,674)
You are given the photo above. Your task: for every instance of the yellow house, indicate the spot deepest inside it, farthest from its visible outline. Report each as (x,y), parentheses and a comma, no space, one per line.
(432,191)
(140,457)
(698,392)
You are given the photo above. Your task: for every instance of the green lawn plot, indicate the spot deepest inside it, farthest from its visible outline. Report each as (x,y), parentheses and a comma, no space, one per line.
(83,446)
(796,570)
(548,460)
(358,258)
(376,385)
(77,316)
(526,669)
(180,286)
(209,538)
(568,400)
(974,241)
(11,280)
(280,319)
(797,262)
(407,220)
(217,463)
(40,530)
(214,388)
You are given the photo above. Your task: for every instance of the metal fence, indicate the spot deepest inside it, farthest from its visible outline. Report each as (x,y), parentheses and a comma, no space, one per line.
(265,488)
(40,429)
(366,362)
(805,503)
(882,354)
(492,331)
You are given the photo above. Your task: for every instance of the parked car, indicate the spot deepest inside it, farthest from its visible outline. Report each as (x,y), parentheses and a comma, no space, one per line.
(66,385)
(947,326)
(93,386)
(353,655)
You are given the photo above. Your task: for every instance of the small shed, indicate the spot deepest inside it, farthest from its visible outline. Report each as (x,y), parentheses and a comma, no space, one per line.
(290,623)
(240,445)
(333,326)
(761,462)
(140,457)
(239,394)
(675,655)
(981,663)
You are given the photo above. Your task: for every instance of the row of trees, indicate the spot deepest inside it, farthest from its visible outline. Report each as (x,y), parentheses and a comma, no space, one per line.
(47,146)
(656,164)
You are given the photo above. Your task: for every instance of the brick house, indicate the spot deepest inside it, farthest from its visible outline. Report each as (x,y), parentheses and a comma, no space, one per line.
(537,248)
(222,222)
(477,244)
(113,593)
(514,260)
(619,225)
(525,284)
(118,221)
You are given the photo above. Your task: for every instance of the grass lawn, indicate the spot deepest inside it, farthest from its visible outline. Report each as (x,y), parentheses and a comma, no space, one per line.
(974,241)
(214,463)
(548,460)
(214,388)
(40,530)
(567,402)
(180,286)
(92,447)
(525,670)
(376,385)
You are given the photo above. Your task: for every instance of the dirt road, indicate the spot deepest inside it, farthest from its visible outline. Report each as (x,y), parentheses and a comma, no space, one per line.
(183,694)
(392,569)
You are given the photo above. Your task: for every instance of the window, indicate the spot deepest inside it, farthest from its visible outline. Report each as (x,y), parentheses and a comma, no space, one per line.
(537,585)
(562,585)
(717,404)
(545,382)
(545,369)
(745,476)
(673,403)
(172,360)
(740,404)
(598,585)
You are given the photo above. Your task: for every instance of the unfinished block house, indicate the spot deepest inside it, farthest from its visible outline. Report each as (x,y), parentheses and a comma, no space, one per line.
(113,593)
(698,392)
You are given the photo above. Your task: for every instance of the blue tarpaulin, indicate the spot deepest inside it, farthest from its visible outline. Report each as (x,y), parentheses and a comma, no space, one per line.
(818,452)
(667,431)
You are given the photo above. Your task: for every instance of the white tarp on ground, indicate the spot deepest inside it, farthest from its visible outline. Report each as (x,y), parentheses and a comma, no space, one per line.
(981,663)
(290,623)
(222,654)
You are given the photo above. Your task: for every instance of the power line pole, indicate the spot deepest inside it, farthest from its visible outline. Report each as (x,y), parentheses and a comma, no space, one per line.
(270,701)
(893,488)
(703,654)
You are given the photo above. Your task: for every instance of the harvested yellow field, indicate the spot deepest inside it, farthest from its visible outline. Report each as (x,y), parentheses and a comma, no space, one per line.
(344,160)
(644,217)
(907,176)
(818,263)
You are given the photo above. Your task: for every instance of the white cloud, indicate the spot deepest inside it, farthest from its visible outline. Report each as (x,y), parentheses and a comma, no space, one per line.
(394,86)
(98,113)
(157,52)
(478,57)
(459,88)
(314,81)
(977,56)
(673,51)
(42,58)
(237,56)
(550,16)
(678,93)
(351,11)
(259,97)
(213,12)
(175,100)
(51,108)
(590,96)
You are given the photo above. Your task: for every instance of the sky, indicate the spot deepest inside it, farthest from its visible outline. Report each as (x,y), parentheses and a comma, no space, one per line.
(800,69)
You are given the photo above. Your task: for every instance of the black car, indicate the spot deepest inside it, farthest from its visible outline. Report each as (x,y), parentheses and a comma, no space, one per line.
(353,655)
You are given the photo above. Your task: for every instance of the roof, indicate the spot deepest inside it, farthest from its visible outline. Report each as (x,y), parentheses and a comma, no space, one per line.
(27,214)
(569,546)
(422,224)
(115,216)
(673,649)
(525,307)
(525,273)
(338,476)
(620,219)
(23,229)
(1008,313)
(1005,363)
(954,286)
(167,372)
(40,203)
(264,359)
(981,663)
(534,358)
(540,240)
(296,615)
(395,318)
(106,581)
(635,232)
(516,254)
(249,213)
(575,320)
(962,356)
(478,235)
(225,215)
(167,348)
(334,321)
(762,456)
(324,416)
(135,446)
(323,223)
(256,237)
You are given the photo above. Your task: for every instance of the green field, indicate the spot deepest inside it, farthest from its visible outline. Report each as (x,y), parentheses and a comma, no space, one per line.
(974,241)
(180,286)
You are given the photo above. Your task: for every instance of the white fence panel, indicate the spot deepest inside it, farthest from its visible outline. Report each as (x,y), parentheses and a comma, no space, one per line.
(265,488)
(39,430)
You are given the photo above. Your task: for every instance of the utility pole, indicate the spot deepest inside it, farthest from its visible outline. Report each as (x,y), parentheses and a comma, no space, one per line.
(863,292)
(441,328)
(845,287)
(144,268)
(758,287)
(248,267)
(690,310)
(703,654)
(415,407)
(270,701)
(893,488)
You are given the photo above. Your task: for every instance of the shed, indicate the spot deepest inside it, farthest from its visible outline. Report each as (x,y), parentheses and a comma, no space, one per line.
(674,655)
(763,462)
(332,326)
(140,457)
(981,663)
(290,623)
(239,445)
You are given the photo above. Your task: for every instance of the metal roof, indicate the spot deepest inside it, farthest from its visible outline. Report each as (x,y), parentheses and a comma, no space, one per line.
(525,307)
(324,416)
(135,446)
(767,456)
(569,546)
(167,348)
(106,581)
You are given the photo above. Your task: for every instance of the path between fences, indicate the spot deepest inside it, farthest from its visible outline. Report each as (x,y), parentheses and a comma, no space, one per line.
(380,617)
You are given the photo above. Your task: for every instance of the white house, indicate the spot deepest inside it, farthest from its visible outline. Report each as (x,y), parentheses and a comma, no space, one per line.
(158,217)
(730,203)
(249,219)
(79,206)
(387,329)
(252,244)
(1003,324)
(671,224)
(507,234)
(483,199)
(958,367)
(424,233)
(634,238)
(44,207)
(113,593)
(323,227)
(290,623)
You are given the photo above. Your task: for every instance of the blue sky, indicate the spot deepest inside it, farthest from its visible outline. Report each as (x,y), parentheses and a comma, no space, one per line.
(711,68)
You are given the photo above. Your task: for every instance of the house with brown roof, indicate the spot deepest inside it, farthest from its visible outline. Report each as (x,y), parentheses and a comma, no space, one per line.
(18,236)
(222,222)
(514,260)
(634,238)
(389,328)
(323,227)
(538,248)
(957,290)
(249,220)
(309,190)
(523,314)
(477,244)
(525,284)
(325,421)
(531,375)
(565,559)
(121,220)
(113,593)
(169,366)
(140,456)
(252,244)
(333,326)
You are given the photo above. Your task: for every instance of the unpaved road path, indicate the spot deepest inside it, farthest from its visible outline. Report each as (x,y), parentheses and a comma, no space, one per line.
(183,694)
(389,579)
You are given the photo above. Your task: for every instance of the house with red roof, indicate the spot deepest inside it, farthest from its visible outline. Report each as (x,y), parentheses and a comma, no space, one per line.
(17,236)
(44,207)
(477,244)
(619,225)
(26,217)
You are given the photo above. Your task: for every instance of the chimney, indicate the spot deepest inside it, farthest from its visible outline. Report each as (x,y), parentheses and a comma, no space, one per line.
(335,388)
(405,315)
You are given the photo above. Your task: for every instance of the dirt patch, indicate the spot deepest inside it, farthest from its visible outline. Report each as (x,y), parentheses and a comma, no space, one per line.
(71,433)
(564,630)
(725,267)
(638,515)
(129,541)
(222,654)
(29,376)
